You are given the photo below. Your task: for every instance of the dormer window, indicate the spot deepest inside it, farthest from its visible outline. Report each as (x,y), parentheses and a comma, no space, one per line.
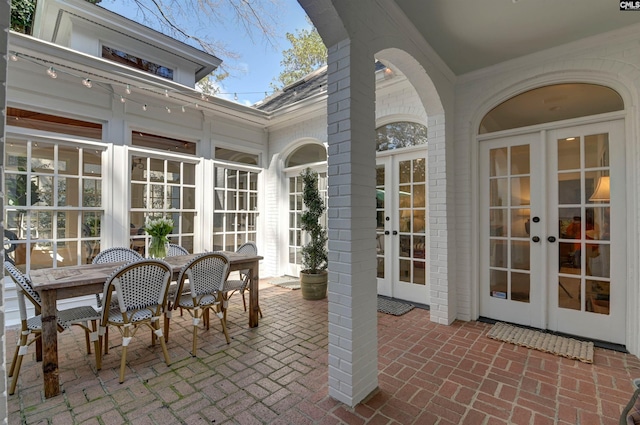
(136,62)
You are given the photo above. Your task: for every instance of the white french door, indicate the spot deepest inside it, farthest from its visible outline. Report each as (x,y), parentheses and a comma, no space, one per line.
(401,212)
(552,231)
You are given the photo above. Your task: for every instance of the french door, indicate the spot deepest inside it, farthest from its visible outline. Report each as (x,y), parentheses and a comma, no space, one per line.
(552,233)
(401,199)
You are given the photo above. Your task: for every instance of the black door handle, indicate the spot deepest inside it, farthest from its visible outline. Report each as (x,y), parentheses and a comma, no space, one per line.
(386,232)
(535,239)
(551,238)
(395,232)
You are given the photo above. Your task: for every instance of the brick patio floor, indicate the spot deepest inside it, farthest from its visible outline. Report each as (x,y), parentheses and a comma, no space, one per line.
(277,374)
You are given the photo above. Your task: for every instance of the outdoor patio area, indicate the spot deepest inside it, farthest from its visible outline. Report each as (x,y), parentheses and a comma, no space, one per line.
(277,374)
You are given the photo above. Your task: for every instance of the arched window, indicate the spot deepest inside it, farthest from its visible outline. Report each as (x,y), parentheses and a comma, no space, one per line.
(551,103)
(402,134)
(307,154)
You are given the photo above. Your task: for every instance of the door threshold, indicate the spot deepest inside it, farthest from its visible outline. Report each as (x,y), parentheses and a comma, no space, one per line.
(596,342)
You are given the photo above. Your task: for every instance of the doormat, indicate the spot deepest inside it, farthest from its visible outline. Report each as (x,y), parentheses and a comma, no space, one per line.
(288,282)
(396,308)
(542,341)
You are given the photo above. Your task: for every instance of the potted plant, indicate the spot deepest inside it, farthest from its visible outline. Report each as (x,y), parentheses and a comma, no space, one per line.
(314,276)
(158,229)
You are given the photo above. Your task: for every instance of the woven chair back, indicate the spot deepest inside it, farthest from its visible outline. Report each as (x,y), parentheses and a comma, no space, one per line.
(206,273)
(140,284)
(116,255)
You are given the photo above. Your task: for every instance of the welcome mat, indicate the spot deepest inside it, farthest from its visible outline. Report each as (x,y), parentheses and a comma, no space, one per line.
(396,308)
(542,341)
(288,282)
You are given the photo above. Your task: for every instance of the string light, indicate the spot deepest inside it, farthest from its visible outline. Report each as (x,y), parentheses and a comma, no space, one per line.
(183,110)
(235,96)
(144,107)
(52,72)
(168,109)
(87,83)
(14,57)
(166,93)
(122,99)
(128,89)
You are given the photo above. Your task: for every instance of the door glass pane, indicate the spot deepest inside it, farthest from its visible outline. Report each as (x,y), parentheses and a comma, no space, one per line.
(498,222)
(597,295)
(596,150)
(520,222)
(569,294)
(520,287)
(520,254)
(498,256)
(498,284)
(569,153)
(498,192)
(520,191)
(498,162)
(569,189)
(520,159)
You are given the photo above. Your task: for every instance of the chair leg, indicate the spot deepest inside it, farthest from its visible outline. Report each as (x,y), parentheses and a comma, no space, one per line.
(96,342)
(106,340)
(21,350)
(244,302)
(167,360)
(86,338)
(15,358)
(223,323)
(123,360)
(167,319)
(39,350)
(196,317)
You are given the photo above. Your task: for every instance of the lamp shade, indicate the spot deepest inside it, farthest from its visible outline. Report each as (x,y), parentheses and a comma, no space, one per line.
(602,192)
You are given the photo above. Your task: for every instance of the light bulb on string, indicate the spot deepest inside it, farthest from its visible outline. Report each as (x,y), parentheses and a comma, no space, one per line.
(122,99)
(168,110)
(128,89)
(52,72)
(144,107)
(183,109)
(166,93)
(87,83)
(235,96)
(14,57)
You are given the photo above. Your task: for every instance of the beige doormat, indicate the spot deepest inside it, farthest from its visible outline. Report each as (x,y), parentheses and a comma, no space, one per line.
(288,282)
(541,341)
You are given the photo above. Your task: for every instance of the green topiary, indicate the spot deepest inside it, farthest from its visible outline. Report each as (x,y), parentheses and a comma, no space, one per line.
(314,253)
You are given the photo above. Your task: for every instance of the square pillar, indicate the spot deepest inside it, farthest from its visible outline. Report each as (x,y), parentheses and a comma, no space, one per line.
(353,339)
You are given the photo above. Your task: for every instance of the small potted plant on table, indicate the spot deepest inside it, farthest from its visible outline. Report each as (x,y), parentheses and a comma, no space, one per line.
(314,276)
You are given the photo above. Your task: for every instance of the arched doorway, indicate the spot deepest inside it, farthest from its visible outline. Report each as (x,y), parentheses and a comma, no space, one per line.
(552,212)
(314,156)
(401,211)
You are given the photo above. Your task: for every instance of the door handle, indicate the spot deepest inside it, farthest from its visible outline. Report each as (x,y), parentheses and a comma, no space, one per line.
(535,239)
(551,238)
(386,232)
(395,232)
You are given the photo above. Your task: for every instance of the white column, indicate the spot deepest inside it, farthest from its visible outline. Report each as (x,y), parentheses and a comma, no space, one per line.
(353,343)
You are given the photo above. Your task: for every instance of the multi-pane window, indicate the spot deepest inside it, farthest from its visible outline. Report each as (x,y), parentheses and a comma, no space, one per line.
(162,187)
(53,203)
(136,62)
(236,207)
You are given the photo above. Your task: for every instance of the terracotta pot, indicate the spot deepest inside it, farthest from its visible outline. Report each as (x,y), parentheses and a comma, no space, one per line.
(314,286)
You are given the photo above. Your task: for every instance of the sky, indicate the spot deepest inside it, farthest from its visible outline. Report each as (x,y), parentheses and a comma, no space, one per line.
(259,61)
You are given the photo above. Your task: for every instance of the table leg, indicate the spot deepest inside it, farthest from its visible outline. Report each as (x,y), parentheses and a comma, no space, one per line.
(50,344)
(253,295)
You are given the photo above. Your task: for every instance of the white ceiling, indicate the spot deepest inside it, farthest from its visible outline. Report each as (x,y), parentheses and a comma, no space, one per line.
(473,34)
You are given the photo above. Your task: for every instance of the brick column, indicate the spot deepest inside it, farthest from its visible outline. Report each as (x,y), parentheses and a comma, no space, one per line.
(5,13)
(353,344)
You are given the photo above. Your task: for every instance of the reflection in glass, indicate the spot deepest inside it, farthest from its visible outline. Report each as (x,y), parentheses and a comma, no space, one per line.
(498,194)
(419,275)
(419,195)
(520,191)
(404,172)
(596,150)
(419,170)
(597,296)
(569,190)
(404,271)
(598,260)
(498,256)
(42,155)
(520,159)
(498,162)
(520,255)
(520,287)
(498,284)
(498,222)
(569,294)
(569,258)
(569,153)
(520,222)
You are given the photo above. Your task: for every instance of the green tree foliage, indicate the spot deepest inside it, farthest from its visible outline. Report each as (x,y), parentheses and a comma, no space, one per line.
(307,53)
(22,15)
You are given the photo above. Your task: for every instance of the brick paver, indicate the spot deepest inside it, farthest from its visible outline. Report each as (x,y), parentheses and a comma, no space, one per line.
(277,374)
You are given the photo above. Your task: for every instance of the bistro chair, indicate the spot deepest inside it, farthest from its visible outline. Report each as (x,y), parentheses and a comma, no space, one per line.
(175,250)
(79,316)
(199,285)
(231,286)
(116,254)
(140,291)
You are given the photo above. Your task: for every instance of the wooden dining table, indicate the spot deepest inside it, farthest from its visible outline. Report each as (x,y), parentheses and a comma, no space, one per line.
(54,284)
